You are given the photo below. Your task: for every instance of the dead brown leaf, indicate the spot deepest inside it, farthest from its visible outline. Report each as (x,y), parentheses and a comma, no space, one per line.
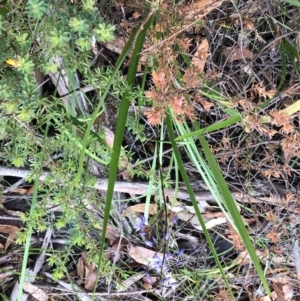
(30,190)
(187,213)
(19,190)
(278,292)
(142,255)
(80,268)
(91,277)
(200,56)
(12,231)
(35,291)
(139,208)
(90,273)
(282,292)
(197,9)
(206,105)
(111,234)
(244,257)
(236,53)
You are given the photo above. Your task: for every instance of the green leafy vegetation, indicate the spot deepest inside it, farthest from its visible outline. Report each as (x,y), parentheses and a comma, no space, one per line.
(154,147)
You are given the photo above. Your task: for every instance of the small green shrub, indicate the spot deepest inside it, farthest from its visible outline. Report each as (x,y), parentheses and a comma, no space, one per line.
(33,33)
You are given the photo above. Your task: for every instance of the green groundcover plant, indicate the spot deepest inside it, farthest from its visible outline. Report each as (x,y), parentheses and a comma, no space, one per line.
(34,126)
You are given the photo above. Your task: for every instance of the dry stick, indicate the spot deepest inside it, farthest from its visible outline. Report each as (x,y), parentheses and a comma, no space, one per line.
(120,186)
(67,291)
(72,288)
(131,187)
(17,184)
(296,251)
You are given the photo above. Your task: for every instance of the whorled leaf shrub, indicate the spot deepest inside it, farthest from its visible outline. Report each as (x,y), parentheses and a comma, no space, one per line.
(34,127)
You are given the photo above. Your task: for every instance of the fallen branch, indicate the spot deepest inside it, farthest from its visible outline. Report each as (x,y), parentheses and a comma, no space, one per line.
(138,188)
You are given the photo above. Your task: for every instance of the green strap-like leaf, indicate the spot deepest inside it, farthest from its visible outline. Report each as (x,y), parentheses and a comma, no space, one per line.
(120,128)
(192,197)
(232,208)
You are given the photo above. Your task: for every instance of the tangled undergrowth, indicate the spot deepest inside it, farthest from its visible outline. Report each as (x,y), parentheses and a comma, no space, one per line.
(205,205)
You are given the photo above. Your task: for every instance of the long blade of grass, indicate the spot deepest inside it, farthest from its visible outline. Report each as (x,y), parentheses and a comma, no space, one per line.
(281,50)
(292,54)
(191,194)
(211,128)
(296,3)
(201,166)
(120,128)
(150,185)
(232,208)
(28,238)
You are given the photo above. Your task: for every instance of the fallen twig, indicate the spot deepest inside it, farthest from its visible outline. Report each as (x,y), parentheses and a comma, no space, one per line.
(139,188)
